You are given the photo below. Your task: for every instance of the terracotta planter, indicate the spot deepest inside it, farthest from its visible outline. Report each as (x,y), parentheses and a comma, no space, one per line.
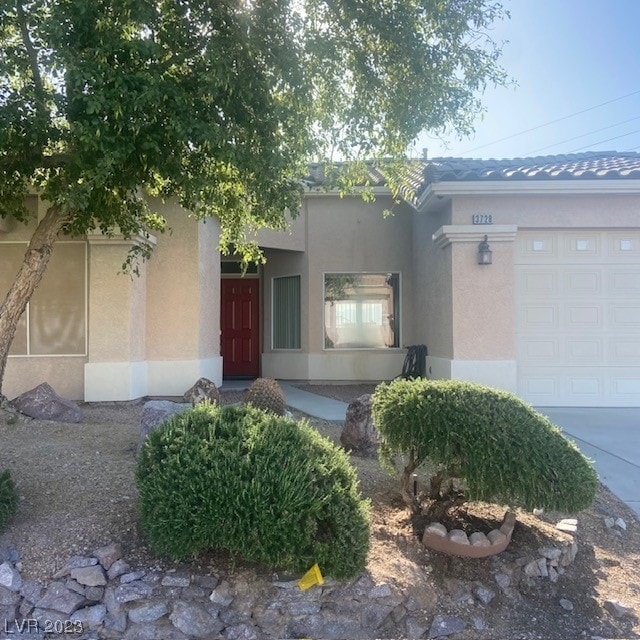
(495,542)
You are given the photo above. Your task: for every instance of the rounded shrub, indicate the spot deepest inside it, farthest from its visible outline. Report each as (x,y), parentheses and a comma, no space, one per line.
(267,488)
(8,499)
(504,450)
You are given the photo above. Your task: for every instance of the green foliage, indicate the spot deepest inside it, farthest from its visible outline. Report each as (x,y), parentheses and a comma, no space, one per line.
(222,104)
(266,394)
(8,499)
(243,480)
(504,450)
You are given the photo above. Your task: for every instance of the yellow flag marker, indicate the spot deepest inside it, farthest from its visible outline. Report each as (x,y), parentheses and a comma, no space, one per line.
(313,576)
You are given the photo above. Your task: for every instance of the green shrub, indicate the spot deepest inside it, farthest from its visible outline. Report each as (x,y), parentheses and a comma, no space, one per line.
(504,450)
(264,487)
(8,499)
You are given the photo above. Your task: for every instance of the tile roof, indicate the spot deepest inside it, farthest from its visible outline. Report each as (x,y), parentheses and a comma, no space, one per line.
(590,165)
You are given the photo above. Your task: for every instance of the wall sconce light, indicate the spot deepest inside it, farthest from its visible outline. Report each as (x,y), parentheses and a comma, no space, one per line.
(484,252)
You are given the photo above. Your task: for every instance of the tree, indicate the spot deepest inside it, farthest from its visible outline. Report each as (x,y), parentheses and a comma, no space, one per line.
(218,103)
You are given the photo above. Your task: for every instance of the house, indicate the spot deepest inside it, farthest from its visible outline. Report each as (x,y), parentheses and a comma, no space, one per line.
(554,317)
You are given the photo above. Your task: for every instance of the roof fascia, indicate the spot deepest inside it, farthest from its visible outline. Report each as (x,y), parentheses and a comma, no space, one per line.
(524,187)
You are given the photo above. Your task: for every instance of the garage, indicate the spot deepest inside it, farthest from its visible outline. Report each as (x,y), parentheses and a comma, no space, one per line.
(578,317)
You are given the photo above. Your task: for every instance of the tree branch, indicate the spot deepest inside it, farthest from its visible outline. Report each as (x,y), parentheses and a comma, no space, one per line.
(41,107)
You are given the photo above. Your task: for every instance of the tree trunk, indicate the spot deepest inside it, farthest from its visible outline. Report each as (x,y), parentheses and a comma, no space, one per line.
(405,483)
(31,271)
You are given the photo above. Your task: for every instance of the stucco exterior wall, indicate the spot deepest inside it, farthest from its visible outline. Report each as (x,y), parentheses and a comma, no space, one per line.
(293,239)
(553,211)
(432,275)
(344,235)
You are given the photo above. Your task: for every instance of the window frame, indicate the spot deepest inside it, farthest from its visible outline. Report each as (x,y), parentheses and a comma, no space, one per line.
(326,349)
(273,309)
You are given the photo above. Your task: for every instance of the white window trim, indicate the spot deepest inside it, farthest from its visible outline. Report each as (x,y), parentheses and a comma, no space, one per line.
(364,273)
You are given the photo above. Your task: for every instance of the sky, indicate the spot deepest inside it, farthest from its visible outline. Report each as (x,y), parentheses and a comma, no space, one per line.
(566,56)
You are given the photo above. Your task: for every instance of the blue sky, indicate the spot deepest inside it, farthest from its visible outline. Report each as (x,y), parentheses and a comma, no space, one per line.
(566,56)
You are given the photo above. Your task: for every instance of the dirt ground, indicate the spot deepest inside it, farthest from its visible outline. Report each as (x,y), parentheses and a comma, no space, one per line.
(77,493)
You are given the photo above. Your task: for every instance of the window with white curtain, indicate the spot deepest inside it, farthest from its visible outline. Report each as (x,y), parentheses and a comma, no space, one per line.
(361,310)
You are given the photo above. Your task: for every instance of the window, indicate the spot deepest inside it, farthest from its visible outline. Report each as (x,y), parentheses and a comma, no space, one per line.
(361,311)
(55,320)
(286,312)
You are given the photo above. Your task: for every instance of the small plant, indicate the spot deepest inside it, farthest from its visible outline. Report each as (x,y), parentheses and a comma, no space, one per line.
(8,499)
(501,448)
(266,488)
(266,394)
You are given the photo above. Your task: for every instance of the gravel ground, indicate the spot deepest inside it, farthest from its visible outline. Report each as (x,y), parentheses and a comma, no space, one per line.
(77,493)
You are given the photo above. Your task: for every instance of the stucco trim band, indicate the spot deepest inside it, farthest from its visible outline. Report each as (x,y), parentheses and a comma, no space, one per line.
(451,233)
(174,377)
(113,381)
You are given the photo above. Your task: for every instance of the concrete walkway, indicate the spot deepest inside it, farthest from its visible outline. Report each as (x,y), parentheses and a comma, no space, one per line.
(310,403)
(611,438)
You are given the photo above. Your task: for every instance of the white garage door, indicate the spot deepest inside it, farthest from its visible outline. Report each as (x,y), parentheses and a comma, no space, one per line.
(578,317)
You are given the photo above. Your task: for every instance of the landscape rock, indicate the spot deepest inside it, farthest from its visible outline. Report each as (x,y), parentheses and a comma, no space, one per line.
(106,556)
(90,576)
(90,617)
(618,610)
(132,591)
(58,598)
(202,391)
(567,605)
(359,433)
(43,403)
(445,626)
(10,577)
(192,619)
(240,632)
(484,594)
(438,529)
(117,569)
(178,579)
(131,577)
(496,537)
(621,524)
(479,539)
(148,612)
(458,536)
(8,597)
(609,522)
(156,412)
(502,580)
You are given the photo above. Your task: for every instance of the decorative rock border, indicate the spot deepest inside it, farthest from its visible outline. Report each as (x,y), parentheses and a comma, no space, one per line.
(477,545)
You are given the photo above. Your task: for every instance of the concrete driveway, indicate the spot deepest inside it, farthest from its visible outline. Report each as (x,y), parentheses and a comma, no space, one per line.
(611,438)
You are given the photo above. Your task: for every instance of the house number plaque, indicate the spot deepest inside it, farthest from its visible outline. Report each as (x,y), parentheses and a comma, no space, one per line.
(482,218)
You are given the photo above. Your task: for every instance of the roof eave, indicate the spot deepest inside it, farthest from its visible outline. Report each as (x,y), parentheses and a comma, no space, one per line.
(524,187)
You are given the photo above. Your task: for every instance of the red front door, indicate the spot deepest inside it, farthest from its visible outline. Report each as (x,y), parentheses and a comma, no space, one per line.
(239,318)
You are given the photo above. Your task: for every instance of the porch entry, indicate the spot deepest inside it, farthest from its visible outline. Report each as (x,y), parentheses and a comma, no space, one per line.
(239,324)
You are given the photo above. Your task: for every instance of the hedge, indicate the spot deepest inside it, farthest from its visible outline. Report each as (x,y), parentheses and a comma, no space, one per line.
(504,450)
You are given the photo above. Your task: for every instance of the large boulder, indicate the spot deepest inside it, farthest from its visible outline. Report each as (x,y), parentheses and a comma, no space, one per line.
(155,413)
(359,434)
(43,403)
(202,391)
